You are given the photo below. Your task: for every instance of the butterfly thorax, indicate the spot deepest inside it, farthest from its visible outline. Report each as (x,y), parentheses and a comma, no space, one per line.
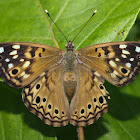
(69,71)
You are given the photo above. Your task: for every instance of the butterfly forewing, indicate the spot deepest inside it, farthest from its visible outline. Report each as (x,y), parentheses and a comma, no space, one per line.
(22,63)
(117,62)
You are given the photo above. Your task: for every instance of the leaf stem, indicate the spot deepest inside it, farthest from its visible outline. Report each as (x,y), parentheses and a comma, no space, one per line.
(80,133)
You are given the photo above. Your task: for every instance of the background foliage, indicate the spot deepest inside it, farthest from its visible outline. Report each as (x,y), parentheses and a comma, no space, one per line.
(25,20)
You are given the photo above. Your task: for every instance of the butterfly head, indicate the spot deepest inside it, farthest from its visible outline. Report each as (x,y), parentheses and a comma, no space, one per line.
(69,46)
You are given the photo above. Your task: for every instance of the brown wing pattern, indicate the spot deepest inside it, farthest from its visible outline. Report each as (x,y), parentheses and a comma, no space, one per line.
(21,63)
(88,103)
(40,69)
(45,97)
(118,62)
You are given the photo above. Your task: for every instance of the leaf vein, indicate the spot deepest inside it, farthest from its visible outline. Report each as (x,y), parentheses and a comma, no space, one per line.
(126,130)
(61,11)
(45,15)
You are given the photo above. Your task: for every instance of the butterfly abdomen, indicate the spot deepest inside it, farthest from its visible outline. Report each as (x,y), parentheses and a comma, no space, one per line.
(70,84)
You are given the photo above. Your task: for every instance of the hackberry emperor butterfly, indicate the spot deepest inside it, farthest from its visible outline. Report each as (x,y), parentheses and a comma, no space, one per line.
(51,77)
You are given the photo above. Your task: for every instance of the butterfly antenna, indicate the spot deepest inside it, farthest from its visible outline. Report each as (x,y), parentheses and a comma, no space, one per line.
(85,25)
(55,24)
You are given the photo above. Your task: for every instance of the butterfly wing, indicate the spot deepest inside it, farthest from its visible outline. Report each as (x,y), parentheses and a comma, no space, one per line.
(45,97)
(22,63)
(88,103)
(40,69)
(117,62)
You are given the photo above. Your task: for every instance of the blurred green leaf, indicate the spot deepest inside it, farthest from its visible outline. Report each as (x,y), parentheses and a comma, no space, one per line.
(26,21)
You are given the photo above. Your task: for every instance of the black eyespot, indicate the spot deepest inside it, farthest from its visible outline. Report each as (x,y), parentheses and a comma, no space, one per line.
(14,71)
(94,99)
(82,111)
(37,86)
(56,111)
(62,112)
(44,99)
(37,99)
(101,86)
(99,55)
(101,100)
(49,106)
(124,70)
(39,54)
(89,106)
(75,112)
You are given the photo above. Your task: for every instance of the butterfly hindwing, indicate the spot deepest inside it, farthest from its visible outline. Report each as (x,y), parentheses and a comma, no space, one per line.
(117,62)
(89,102)
(45,97)
(21,63)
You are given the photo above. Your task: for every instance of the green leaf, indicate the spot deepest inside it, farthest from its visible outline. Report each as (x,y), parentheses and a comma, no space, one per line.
(26,21)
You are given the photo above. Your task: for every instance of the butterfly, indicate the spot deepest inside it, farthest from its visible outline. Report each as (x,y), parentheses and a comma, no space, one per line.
(67,86)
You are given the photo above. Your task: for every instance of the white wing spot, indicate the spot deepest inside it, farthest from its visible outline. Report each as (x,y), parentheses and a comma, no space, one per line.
(113,75)
(26,64)
(7,60)
(122,46)
(97,74)
(117,59)
(124,56)
(115,72)
(125,52)
(26,76)
(13,52)
(15,56)
(16,46)
(10,65)
(43,73)
(21,60)
(112,63)
(95,79)
(131,59)
(1,49)
(137,49)
(128,65)
(23,73)
(15,81)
